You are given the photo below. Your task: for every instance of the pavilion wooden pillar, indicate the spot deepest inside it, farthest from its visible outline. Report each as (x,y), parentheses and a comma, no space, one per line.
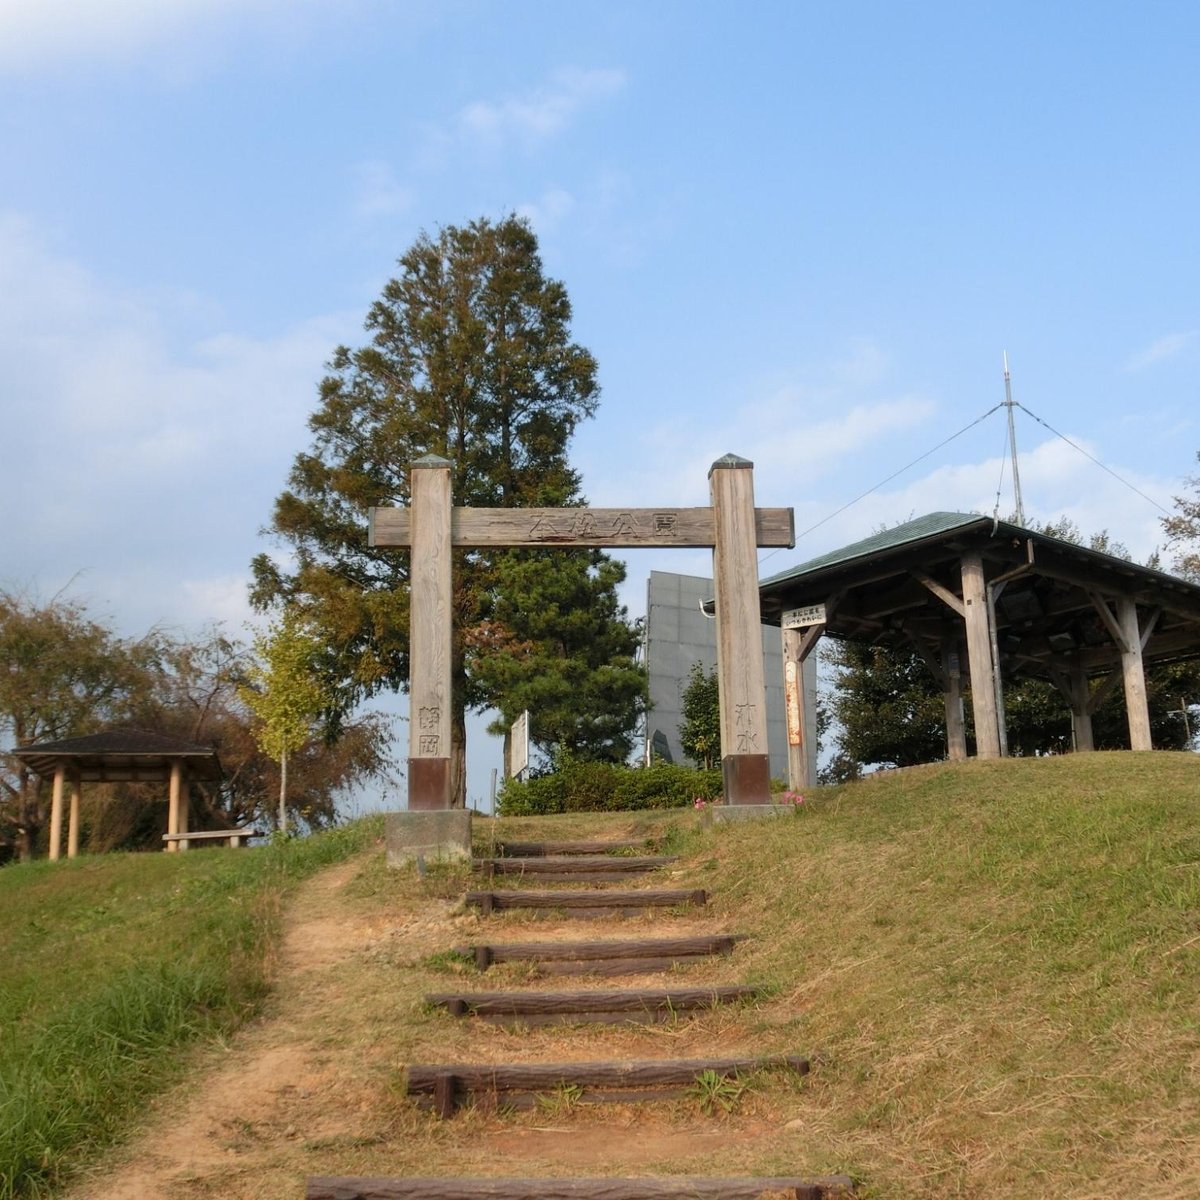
(1129,637)
(745,765)
(174,804)
(979,658)
(956,731)
(73,819)
(56,811)
(429,724)
(1081,707)
(1134,675)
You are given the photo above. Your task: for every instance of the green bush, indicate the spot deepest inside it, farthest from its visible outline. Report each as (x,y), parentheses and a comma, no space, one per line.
(605,787)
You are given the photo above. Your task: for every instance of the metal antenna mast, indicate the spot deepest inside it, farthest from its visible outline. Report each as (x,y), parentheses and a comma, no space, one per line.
(1012,442)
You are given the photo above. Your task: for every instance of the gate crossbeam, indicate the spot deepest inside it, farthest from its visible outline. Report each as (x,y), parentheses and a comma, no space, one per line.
(616,528)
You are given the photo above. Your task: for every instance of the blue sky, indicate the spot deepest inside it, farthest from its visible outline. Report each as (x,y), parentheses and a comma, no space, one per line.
(802,233)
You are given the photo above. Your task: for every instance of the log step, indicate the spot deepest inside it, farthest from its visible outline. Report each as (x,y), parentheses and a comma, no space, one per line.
(774,1187)
(582,867)
(645,1005)
(609,957)
(445,1088)
(539,849)
(594,902)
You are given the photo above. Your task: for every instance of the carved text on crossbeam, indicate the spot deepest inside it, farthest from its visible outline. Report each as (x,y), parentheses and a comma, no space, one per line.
(610,527)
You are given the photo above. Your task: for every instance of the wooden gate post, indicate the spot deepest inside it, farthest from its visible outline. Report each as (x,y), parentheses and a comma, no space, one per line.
(429,716)
(745,765)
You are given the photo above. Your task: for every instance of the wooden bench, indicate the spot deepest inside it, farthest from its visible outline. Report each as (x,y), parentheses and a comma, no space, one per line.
(232,836)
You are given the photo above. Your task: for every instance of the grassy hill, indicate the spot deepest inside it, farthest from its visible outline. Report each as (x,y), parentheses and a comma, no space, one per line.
(996,965)
(1001,962)
(110,965)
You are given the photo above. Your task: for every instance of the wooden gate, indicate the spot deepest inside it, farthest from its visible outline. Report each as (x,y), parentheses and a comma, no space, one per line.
(431,528)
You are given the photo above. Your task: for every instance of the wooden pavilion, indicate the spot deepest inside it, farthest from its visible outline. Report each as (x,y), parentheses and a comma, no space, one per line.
(119,757)
(985,600)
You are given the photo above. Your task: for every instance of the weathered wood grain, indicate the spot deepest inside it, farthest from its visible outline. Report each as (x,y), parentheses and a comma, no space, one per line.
(602,949)
(635,898)
(810,1187)
(574,865)
(430,636)
(538,849)
(504,1077)
(740,679)
(623,1000)
(615,527)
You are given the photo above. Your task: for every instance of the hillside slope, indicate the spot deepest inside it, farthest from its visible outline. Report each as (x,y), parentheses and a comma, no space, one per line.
(995,964)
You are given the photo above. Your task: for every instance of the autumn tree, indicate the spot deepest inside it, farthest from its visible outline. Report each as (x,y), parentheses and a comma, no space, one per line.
(65,674)
(469,356)
(62,674)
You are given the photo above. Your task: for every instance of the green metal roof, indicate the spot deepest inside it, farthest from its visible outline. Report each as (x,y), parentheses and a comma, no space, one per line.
(930,525)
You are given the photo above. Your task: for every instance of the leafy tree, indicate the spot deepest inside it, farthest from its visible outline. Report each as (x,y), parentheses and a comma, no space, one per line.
(700,708)
(62,674)
(285,693)
(1183,531)
(469,357)
(888,709)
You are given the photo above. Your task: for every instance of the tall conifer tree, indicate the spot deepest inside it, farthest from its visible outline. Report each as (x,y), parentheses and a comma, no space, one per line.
(469,357)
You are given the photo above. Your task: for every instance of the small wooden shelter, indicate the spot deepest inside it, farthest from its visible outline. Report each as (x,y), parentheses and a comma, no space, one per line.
(985,600)
(119,757)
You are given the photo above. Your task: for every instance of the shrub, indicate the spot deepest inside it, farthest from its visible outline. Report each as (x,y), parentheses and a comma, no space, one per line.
(607,787)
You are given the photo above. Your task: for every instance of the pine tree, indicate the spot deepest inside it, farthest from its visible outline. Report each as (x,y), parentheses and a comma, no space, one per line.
(470,358)
(700,708)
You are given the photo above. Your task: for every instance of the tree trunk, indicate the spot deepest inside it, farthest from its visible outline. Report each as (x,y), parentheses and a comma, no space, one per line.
(458,760)
(29,820)
(283,792)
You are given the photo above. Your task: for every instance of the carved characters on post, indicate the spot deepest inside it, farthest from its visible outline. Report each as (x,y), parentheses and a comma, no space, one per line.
(429,719)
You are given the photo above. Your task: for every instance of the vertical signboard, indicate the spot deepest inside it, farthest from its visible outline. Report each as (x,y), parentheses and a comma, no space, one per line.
(793,699)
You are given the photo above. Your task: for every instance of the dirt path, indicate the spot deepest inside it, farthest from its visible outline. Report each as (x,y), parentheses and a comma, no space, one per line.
(275,1083)
(311,1087)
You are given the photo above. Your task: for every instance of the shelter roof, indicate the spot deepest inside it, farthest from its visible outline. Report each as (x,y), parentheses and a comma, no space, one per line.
(121,756)
(885,589)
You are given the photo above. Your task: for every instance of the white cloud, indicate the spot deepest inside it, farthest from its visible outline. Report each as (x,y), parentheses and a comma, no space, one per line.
(148,468)
(540,114)
(1163,348)
(548,211)
(526,120)
(1056,481)
(378,193)
(39,34)
(793,434)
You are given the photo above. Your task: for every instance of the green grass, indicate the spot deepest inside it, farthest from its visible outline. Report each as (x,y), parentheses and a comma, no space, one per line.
(112,963)
(1000,964)
(995,968)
